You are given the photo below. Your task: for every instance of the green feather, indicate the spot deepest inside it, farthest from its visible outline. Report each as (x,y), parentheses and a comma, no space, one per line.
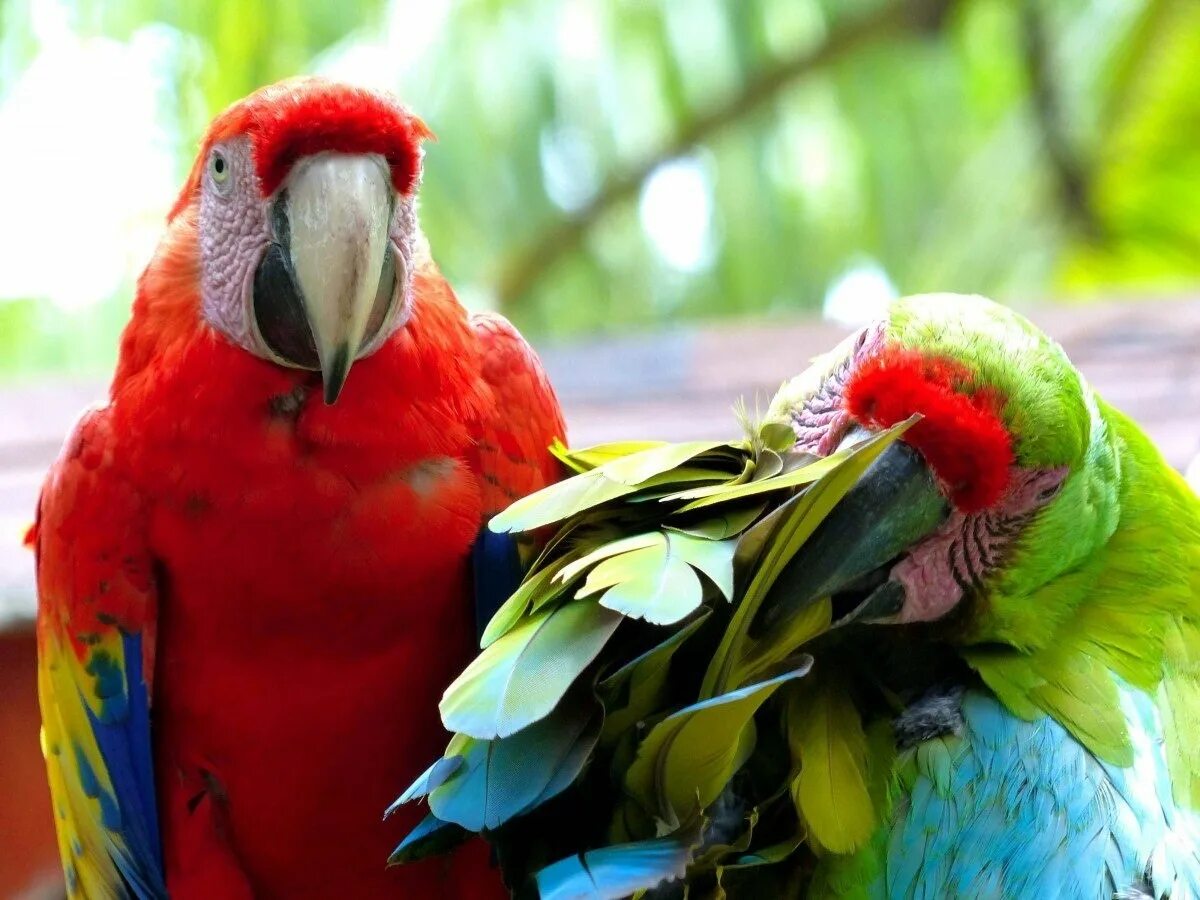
(541,587)
(788,528)
(687,759)
(639,688)
(831,791)
(614,479)
(521,677)
(586,458)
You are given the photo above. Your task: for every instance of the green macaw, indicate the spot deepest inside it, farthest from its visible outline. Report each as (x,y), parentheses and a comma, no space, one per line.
(931,629)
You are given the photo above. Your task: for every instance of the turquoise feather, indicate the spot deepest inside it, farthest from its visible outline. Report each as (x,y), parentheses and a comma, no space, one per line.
(1024,810)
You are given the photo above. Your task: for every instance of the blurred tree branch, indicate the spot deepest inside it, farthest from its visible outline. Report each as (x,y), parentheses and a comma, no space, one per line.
(1068,168)
(525,267)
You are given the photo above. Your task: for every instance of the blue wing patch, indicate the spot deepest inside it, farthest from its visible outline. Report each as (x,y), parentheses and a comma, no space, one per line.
(123,735)
(100,767)
(497,572)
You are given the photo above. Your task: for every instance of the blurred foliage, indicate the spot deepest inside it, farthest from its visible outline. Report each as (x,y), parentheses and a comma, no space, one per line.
(1019,148)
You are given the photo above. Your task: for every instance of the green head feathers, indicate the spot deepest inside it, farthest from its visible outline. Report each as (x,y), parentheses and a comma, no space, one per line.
(1046,404)
(1096,581)
(1057,500)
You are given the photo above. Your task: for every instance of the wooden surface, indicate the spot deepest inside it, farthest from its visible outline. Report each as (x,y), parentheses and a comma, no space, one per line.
(29,867)
(1143,356)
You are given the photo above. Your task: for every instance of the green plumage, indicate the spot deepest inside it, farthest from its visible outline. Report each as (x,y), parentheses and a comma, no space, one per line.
(636,694)
(632,597)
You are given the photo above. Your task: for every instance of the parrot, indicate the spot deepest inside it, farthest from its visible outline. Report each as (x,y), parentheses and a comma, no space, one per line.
(258,561)
(930,628)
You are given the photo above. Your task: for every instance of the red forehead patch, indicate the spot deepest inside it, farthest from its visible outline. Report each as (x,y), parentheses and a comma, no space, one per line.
(303,116)
(961,434)
(325,116)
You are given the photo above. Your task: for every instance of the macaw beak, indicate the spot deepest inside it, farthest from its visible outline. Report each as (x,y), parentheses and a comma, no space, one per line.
(893,505)
(326,281)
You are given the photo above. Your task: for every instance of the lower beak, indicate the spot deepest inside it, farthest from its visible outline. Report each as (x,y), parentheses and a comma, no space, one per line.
(894,505)
(326,282)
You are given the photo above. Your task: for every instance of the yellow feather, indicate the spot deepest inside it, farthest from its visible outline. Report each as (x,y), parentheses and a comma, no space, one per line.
(86,847)
(831,790)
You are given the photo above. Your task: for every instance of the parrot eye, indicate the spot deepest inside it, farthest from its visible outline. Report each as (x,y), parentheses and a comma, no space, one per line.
(1050,492)
(218,165)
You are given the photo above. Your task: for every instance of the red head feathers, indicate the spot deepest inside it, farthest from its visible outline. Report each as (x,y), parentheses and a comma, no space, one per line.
(961,434)
(303,116)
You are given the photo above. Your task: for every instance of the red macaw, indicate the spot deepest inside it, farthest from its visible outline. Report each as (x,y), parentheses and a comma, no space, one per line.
(254,572)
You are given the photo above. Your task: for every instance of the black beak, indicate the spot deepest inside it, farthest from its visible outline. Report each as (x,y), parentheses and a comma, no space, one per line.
(894,505)
(278,304)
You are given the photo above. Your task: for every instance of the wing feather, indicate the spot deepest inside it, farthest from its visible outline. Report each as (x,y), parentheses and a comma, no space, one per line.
(524,420)
(1028,811)
(513,456)
(95,652)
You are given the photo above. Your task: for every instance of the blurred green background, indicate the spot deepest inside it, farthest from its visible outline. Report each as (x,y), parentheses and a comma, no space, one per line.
(611,165)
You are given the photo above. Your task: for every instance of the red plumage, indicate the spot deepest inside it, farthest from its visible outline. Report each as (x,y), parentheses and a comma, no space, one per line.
(303,116)
(961,434)
(298,571)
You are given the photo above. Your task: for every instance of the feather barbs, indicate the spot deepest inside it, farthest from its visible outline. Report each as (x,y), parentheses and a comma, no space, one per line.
(961,435)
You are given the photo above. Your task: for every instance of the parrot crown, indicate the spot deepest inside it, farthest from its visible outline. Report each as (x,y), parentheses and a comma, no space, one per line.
(304,116)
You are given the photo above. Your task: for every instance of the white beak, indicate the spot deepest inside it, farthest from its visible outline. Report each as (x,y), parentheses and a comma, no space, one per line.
(339,210)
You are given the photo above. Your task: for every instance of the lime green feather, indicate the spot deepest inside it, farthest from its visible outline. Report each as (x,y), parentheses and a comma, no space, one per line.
(832,790)
(1127,606)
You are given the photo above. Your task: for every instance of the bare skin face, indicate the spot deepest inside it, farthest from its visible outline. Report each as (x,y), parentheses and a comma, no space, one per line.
(314,276)
(932,575)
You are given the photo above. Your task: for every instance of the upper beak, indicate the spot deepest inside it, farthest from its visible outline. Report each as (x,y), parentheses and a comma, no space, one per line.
(325,278)
(893,505)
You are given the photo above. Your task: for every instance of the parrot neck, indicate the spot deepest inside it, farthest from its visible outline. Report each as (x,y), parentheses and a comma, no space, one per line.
(410,401)
(1151,564)
(1124,536)
(1127,615)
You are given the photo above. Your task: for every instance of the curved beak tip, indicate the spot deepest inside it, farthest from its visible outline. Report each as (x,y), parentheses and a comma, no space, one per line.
(333,376)
(338,214)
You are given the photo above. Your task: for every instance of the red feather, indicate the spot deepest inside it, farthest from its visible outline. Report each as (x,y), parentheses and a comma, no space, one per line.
(303,116)
(961,434)
(306,569)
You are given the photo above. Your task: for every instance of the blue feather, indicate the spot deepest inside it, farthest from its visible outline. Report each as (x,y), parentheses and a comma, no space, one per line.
(430,837)
(497,570)
(619,871)
(1032,813)
(124,743)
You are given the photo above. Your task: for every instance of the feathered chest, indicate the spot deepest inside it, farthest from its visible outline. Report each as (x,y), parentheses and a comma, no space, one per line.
(264,499)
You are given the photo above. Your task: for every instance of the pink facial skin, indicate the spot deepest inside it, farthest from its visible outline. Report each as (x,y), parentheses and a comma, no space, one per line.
(821,421)
(235,230)
(937,572)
